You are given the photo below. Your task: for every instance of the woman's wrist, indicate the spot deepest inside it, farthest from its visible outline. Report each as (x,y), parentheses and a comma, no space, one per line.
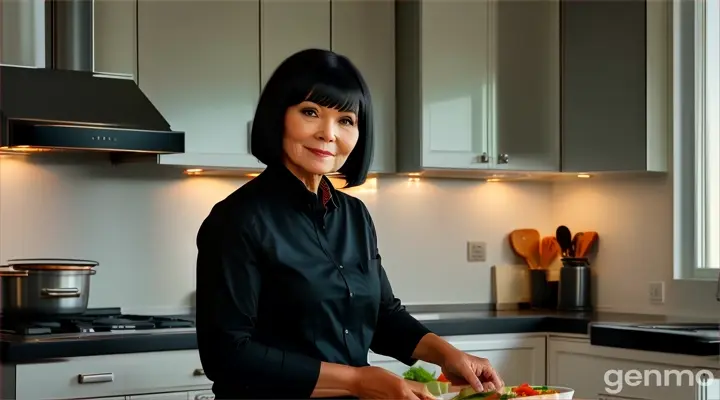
(336,380)
(434,349)
(352,380)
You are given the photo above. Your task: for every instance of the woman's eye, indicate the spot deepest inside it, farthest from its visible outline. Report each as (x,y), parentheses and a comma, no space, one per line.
(347,121)
(309,112)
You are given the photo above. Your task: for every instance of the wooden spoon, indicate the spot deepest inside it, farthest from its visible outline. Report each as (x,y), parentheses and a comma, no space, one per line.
(526,244)
(549,251)
(585,243)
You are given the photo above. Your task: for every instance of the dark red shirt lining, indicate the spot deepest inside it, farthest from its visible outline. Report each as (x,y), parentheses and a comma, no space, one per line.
(326,193)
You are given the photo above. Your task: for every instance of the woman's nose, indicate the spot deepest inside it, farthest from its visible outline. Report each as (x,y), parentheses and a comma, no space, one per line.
(328,131)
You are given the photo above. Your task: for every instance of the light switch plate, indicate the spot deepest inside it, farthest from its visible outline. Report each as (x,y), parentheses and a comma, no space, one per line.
(476,251)
(657,292)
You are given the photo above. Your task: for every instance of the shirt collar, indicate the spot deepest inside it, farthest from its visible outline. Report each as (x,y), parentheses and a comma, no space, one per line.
(288,184)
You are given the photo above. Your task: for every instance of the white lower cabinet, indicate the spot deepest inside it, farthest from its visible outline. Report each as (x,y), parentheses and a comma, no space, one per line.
(166,375)
(594,372)
(605,373)
(518,358)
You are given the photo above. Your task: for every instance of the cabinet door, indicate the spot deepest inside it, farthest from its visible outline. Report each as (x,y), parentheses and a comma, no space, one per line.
(22,33)
(516,359)
(289,26)
(605,84)
(115,27)
(372,50)
(710,389)
(620,373)
(199,64)
(455,83)
(525,105)
(161,396)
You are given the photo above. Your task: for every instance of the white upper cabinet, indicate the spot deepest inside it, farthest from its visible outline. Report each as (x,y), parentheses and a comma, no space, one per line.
(199,63)
(372,50)
(203,65)
(288,26)
(470,76)
(525,105)
(115,39)
(22,33)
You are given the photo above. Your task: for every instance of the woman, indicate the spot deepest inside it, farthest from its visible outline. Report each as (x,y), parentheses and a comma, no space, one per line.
(291,293)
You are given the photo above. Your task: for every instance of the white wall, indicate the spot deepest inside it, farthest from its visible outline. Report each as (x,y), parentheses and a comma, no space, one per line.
(633,218)
(141,223)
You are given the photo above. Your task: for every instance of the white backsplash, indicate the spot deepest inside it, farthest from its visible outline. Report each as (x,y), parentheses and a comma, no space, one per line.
(140,222)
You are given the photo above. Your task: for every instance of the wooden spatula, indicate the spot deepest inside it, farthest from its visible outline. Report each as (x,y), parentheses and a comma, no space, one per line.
(585,243)
(549,251)
(526,244)
(574,247)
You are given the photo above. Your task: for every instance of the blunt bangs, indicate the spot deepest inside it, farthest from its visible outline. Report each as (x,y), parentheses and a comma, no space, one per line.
(327,79)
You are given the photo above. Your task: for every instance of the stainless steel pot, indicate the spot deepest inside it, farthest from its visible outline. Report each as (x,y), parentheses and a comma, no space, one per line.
(46,287)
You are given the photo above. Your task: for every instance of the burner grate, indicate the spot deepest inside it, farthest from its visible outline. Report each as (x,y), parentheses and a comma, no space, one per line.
(93,322)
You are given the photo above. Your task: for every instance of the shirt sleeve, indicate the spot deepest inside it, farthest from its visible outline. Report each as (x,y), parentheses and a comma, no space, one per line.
(228,289)
(397,333)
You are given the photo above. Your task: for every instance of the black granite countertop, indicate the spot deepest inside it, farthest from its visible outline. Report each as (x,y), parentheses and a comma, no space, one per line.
(600,326)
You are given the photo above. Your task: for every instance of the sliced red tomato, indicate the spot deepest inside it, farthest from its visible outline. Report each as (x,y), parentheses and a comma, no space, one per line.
(442,378)
(525,390)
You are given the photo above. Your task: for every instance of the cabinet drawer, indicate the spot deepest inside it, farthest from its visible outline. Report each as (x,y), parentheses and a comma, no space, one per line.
(111,375)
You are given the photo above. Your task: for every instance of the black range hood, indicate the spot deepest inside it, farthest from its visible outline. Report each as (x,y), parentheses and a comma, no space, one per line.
(66,106)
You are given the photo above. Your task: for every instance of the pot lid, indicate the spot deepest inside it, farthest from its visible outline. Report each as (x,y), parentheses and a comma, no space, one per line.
(51,264)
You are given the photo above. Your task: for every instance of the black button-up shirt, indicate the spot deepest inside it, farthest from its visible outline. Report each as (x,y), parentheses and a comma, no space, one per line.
(287,278)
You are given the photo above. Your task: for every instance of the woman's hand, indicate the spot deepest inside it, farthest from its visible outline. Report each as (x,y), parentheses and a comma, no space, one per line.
(461,368)
(377,383)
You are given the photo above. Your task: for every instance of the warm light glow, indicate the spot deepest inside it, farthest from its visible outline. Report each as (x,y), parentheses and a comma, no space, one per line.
(253,175)
(414,174)
(583,176)
(193,171)
(493,180)
(24,149)
(370,186)
(413,179)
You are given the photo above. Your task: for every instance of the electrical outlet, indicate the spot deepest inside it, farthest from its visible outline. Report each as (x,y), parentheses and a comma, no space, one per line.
(657,292)
(476,251)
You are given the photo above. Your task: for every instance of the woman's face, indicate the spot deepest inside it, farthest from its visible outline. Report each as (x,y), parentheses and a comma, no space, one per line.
(319,139)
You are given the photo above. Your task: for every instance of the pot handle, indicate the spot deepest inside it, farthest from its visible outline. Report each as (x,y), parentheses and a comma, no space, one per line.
(61,292)
(9,273)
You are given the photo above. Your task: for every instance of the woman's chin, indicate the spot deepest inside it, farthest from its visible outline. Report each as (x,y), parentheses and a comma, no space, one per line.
(319,167)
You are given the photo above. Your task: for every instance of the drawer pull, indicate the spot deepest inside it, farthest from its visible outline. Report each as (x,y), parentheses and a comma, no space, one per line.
(199,372)
(96,378)
(205,397)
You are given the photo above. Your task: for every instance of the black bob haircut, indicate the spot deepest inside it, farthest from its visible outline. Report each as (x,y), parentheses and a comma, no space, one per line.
(325,78)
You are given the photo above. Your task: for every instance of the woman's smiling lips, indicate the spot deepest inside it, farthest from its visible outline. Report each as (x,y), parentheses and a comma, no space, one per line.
(320,153)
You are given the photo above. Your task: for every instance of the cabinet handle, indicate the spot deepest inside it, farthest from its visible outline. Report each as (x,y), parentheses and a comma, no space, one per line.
(199,372)
(482,158)
(96,378)
(503,159)
(205,397)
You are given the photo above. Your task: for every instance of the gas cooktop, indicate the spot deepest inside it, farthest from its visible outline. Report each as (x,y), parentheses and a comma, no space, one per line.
(95,322)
